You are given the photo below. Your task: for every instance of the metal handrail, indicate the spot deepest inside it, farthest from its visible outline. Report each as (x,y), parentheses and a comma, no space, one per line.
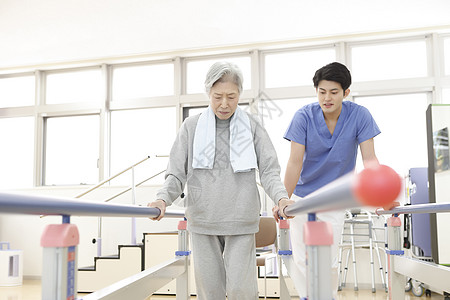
(133,220)
(372,187)
(426,208)
(39,204)
(140,183)
(111,178)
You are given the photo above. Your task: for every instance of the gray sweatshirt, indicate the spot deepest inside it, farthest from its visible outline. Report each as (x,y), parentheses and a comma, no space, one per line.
(219,201)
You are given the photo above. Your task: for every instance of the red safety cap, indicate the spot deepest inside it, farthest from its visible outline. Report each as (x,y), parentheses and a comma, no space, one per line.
(284,224)
(182,225)
(377,185)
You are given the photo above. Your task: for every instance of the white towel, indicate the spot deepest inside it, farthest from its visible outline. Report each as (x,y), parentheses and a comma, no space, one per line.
(242,149)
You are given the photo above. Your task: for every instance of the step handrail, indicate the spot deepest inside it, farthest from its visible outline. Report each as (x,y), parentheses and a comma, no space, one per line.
(128,189)
(111,178)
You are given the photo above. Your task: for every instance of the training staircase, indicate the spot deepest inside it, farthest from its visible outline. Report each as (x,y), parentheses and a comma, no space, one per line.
(131,259)
(109,269)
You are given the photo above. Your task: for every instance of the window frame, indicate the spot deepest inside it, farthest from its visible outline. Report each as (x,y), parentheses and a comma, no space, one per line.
(434,83)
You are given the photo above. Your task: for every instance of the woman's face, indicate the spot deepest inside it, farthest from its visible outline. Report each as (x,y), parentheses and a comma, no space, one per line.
(224,98)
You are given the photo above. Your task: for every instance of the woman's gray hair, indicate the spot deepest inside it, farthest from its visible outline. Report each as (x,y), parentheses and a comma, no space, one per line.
(223,71)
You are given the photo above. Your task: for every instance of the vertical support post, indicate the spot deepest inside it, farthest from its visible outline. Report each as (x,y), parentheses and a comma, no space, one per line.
(397,281)
(283,249)
(183,250)
(133,219)
(59,276)
(318,238)
(99,236)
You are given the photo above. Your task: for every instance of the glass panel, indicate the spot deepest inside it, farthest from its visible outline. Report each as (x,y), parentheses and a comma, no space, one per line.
(276,116)
(72,149)
(143,81)
(196,73)
(447,55)
(79,86)
(389,61)
(295,68)
(16,152)
(17,91)
(136,134)
(402,143)
(446,96)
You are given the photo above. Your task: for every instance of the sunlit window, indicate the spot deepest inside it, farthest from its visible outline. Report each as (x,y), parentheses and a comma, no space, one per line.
(295,68)
(402,143)
(136,134)
(276,115)
(16,152)
(71,87)
(143,81)
(17,91)
(196,72)
(389,61)
(446,96)
(72,150)
(447,55)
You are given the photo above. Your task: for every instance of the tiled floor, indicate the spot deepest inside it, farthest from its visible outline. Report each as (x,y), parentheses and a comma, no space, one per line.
(31,290)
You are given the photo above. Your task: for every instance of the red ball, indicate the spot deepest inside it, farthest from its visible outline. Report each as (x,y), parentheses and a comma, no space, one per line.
(377,186)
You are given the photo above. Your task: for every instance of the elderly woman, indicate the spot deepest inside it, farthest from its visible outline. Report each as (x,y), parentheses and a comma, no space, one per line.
(216,154)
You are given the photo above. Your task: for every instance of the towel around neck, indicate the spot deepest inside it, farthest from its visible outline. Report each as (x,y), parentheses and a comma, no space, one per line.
(242,149)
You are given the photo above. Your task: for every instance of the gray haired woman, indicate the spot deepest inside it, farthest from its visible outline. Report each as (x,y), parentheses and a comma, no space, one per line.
(216,155)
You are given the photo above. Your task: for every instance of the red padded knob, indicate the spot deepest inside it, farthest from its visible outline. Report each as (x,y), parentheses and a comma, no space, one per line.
(377,186)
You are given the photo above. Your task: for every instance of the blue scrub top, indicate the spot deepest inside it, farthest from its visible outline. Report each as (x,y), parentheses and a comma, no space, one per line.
(328,157)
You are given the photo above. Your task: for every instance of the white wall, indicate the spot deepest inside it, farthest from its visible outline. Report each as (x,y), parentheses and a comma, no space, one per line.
(49,31)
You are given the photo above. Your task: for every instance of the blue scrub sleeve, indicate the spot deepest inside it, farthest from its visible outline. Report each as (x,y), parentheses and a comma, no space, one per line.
(367,128)
(297,129)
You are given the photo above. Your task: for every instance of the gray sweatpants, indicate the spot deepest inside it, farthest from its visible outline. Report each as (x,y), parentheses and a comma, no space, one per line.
(225,266)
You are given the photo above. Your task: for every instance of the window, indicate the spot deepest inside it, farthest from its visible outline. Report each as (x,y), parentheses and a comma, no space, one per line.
(295,68)
(196,72)
(446,96)
(447,55)
(402,143)
(136,134)
(276,115)
(389,61)
(17,91)
(143,81)
(72,150)
(71,87)
(17,152)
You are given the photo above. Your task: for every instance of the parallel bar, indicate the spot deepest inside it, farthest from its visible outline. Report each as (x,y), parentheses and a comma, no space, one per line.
(333,196)
(429,273)
(374,186)
(143,284)
(46,205)
(429,208)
